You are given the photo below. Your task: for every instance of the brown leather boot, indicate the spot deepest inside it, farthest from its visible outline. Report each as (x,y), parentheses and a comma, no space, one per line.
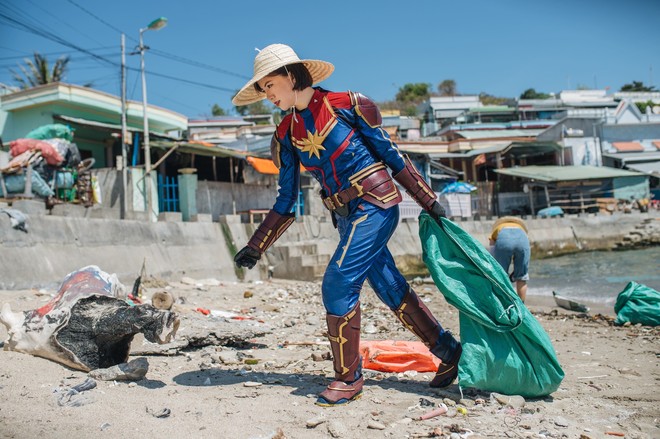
(418,318)
(344,336)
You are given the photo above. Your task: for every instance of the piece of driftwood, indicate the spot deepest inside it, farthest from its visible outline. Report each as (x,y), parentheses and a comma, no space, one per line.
(88,325)
(198,331)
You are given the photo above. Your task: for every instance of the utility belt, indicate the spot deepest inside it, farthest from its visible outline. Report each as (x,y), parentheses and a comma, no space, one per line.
(374,184)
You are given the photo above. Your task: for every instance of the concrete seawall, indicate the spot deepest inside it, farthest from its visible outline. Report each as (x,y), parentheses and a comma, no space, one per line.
(57,245)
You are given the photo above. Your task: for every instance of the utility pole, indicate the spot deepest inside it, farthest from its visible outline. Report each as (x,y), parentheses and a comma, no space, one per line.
(157,24)
(124,133)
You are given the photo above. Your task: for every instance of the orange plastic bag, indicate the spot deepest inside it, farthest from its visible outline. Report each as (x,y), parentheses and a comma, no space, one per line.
(397,356)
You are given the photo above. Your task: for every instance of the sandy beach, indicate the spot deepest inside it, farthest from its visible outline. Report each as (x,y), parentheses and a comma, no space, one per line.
(266,387)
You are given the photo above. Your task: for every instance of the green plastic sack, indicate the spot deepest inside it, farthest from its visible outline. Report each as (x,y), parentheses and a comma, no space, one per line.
(638,303)
(505,349)
(51,131)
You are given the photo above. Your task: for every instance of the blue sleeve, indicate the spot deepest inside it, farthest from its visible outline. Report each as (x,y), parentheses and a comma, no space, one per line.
(377,140)
(289,179)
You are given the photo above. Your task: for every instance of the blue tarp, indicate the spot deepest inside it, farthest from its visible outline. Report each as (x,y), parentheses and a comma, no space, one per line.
(458,187)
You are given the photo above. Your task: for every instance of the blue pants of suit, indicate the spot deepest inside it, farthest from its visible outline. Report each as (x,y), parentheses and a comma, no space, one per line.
(362,254)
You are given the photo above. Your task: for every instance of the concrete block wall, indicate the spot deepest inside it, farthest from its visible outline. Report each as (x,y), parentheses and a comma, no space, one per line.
(71,238)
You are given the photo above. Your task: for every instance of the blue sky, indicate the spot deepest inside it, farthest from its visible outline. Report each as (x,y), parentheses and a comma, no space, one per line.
(498,47)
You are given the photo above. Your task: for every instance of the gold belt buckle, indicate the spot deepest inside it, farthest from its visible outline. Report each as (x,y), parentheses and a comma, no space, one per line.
(329,203)
(337,201)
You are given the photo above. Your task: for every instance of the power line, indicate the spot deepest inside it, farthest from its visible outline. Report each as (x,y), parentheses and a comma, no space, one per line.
(64,22)
(187,81)
(162,53)
(62,52)
(100,19)
(60,40)
(51,36)
(195,63)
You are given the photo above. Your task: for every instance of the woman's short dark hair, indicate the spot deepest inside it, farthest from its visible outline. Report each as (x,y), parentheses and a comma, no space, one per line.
(301,76)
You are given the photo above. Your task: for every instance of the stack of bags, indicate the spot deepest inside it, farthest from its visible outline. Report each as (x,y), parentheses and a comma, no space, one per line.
(45,149)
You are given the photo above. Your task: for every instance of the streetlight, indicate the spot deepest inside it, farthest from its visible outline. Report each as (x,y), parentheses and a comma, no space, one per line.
(157,24)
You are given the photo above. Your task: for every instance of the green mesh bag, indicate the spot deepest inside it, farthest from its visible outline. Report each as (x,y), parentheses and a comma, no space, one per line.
(505,349)
(638,303)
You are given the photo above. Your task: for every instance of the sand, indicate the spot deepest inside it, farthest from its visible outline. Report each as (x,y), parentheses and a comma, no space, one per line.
(610,389)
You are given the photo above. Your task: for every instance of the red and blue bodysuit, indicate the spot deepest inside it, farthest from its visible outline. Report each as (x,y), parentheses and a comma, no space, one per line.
(338,138)
(334,142)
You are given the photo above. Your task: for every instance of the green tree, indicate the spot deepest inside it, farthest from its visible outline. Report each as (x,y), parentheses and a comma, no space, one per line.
(411,95)
(488,99)
(216,110)
(37,71)
(447,88)
(530,93)
(259,107)
(637,86)
(644,105)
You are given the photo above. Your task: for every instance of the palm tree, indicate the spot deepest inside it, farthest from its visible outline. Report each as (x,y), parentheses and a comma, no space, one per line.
(37,72)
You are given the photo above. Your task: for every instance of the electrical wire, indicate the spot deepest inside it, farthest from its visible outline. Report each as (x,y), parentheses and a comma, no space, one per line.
(162,53)
(60,40)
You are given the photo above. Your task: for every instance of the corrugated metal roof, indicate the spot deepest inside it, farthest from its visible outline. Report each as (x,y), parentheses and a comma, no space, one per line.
(198,149)
(630,157)
(421,148)
(490,134)
(566,173)
(652,168)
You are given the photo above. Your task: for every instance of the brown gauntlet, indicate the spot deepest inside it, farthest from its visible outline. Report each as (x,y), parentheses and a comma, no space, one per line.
(269,230)
(415,185)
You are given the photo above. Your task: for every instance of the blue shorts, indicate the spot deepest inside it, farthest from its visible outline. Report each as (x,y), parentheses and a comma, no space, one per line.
(512,245)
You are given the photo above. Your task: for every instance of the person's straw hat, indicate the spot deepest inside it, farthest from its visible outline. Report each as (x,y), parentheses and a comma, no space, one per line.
(272,58)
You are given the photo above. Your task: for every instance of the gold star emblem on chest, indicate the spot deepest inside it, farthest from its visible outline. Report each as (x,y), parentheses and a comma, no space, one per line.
(312,144)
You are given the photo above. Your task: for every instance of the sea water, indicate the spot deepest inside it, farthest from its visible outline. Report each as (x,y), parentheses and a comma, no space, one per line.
(595,276)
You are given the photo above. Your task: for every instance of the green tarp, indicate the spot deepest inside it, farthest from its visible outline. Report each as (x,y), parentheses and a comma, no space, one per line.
(51,131)
(638,303)
(505,349)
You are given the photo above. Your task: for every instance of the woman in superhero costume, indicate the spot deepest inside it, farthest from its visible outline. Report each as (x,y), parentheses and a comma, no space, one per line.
(338,138)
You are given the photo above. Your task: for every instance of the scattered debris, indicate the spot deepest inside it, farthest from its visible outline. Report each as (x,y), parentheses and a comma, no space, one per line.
(134,370)
(441,410)
(72,397)
(162,300)
(88,324)
(315,422)
(17,219)
(163,413)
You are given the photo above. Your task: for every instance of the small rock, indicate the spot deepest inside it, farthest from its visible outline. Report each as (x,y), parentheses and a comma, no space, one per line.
(317,356)
(375,425)
(314,422)
(133,370)
(337,429)
(560,422)
(515,401)
(228,357)
(628,371)
(370,329)
(251,384)
(466,402)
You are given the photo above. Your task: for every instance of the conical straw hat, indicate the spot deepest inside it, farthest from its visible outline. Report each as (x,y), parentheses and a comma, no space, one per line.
(272,58)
